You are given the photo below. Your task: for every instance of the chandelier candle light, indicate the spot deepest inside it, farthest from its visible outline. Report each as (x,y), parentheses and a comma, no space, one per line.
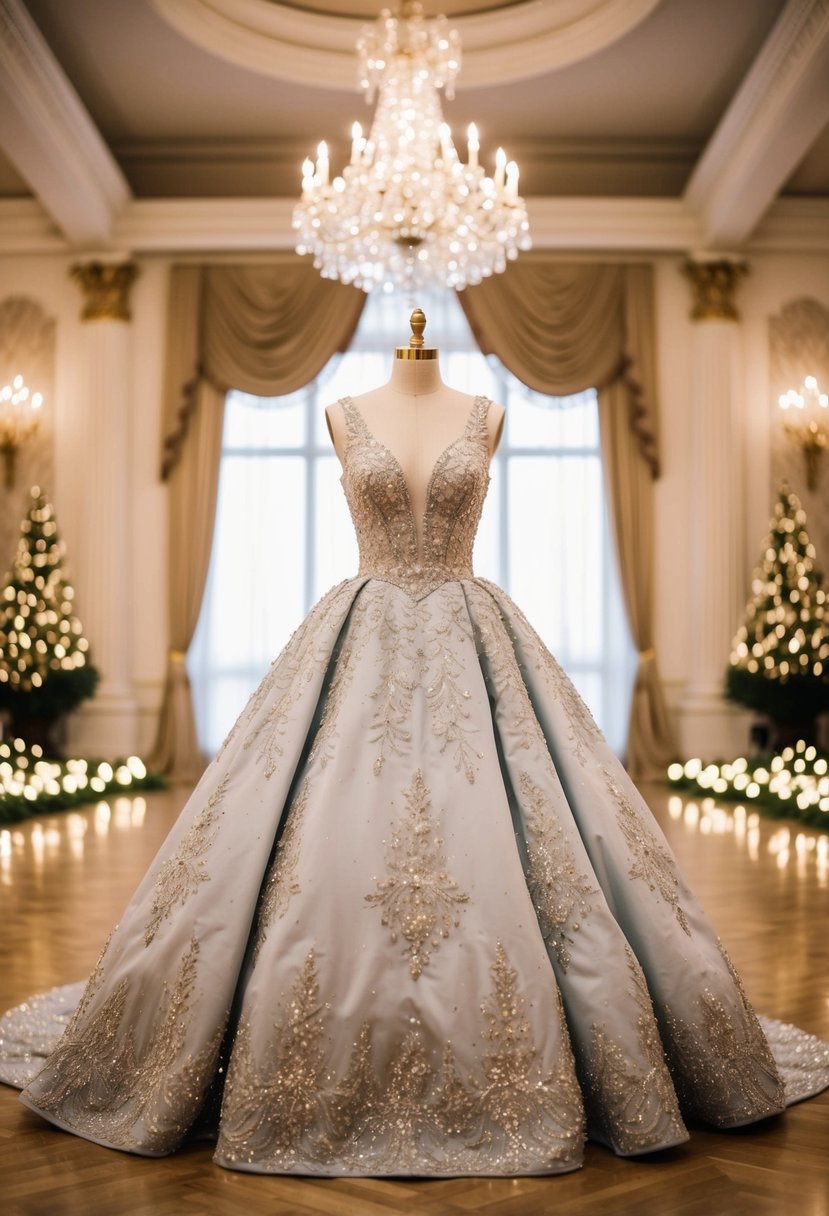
(19,420)
(811,430)
(406,211)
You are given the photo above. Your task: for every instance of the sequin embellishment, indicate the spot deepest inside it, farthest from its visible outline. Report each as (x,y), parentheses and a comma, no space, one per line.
(420,1112)
(107,1077)
(557,887)
(380,504)
(633,1103)
(182,873)
(282,882)
(652,861)
(420,901)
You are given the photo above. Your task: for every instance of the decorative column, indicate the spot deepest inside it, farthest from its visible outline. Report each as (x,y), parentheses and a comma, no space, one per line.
(710,725)
(107,725)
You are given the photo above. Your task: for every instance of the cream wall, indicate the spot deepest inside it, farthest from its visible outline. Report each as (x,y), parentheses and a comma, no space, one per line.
(47,280)
(773,281)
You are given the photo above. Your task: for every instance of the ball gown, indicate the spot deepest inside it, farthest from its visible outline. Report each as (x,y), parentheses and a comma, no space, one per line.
(415,919)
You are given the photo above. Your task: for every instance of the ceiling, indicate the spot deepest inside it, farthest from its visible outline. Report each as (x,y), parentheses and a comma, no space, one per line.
(597,99)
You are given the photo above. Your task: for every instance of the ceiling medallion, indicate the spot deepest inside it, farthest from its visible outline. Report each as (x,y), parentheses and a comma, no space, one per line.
(407,212)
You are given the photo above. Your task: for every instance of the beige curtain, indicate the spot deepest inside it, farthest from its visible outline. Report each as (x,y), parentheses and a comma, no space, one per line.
(562,328)
(264,329)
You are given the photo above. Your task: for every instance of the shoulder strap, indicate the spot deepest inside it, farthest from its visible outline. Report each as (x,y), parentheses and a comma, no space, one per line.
(355,427)
(476,426)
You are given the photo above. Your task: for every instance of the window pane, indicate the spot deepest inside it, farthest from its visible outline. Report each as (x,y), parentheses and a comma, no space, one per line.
(336,555)
(555,422)
(259,423)
(250,605)
(284,535)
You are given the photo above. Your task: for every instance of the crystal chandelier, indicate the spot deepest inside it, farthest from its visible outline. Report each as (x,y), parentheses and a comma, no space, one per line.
(407,212)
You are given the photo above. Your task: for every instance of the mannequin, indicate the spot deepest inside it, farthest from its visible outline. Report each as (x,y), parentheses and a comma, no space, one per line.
(415,415)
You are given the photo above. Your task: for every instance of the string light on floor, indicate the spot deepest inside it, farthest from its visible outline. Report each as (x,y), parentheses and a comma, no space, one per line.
(795,782)
(31,784)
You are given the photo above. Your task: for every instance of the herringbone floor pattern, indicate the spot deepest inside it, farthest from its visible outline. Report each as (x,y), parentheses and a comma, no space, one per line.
(63,883)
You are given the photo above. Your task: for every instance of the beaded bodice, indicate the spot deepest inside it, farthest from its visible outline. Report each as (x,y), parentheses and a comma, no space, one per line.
(392,547)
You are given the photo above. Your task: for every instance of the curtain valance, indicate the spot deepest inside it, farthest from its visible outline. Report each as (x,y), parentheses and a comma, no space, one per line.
(563,327)
(264,329)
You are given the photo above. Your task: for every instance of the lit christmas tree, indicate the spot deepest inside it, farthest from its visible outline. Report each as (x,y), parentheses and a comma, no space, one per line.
(780,656)
(44,658)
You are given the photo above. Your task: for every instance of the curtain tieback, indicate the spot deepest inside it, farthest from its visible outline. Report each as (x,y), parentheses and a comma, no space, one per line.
(645,656)
(177,656)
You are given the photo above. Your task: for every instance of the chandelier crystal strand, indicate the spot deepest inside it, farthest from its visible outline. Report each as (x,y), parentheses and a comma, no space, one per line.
(406,211)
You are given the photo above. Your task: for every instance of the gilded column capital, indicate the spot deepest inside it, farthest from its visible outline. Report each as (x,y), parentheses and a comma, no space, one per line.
(714,284)
(106,289)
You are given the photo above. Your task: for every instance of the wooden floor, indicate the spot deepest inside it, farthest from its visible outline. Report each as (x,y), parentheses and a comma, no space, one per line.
(64,882)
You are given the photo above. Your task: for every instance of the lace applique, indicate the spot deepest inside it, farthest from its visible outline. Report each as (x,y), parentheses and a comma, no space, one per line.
(380,504)
(282,882)
(299,663)
(633,1103)
(652,861)
(284,669)
(103,1077)
(558,888)
(724,1070)
(267,1113)
(449,703)
(583,731)
(501,671)
(514,1094)
(345,661)
(402,667)
(419,1113)
(93,984)
(420,901)
(182,873)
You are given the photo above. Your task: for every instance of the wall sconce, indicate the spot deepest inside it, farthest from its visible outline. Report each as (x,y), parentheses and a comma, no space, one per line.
(811,428)
(19,421)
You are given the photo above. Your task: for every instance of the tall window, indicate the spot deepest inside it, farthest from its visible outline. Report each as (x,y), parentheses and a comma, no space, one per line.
(284,535)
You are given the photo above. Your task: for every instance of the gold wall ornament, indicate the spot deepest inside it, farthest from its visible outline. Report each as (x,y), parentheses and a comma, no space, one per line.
(106,288)
(807,423)
(714,284)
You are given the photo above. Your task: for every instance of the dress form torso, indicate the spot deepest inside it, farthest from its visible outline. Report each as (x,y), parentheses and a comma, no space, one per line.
(416,416)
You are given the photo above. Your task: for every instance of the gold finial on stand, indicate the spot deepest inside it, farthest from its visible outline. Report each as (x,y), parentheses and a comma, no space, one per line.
(416,349)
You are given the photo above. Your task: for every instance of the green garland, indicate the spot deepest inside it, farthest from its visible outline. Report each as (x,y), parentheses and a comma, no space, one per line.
(31,785)
(792,784)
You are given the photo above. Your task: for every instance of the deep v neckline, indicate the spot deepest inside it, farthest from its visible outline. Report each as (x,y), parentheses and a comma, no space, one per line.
(419,534)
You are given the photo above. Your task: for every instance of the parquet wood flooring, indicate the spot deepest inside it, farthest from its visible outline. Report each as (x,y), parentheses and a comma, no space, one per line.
(64,882)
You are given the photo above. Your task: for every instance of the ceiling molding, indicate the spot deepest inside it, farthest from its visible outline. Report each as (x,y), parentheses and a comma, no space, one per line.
(47,134)
(793,225)
(500,46)
(26,228)
(661,224)
(231,226)
(174,226)
(776,114)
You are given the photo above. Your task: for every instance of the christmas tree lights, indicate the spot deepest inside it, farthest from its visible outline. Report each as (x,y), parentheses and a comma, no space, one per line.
(45,669)
(780,656)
